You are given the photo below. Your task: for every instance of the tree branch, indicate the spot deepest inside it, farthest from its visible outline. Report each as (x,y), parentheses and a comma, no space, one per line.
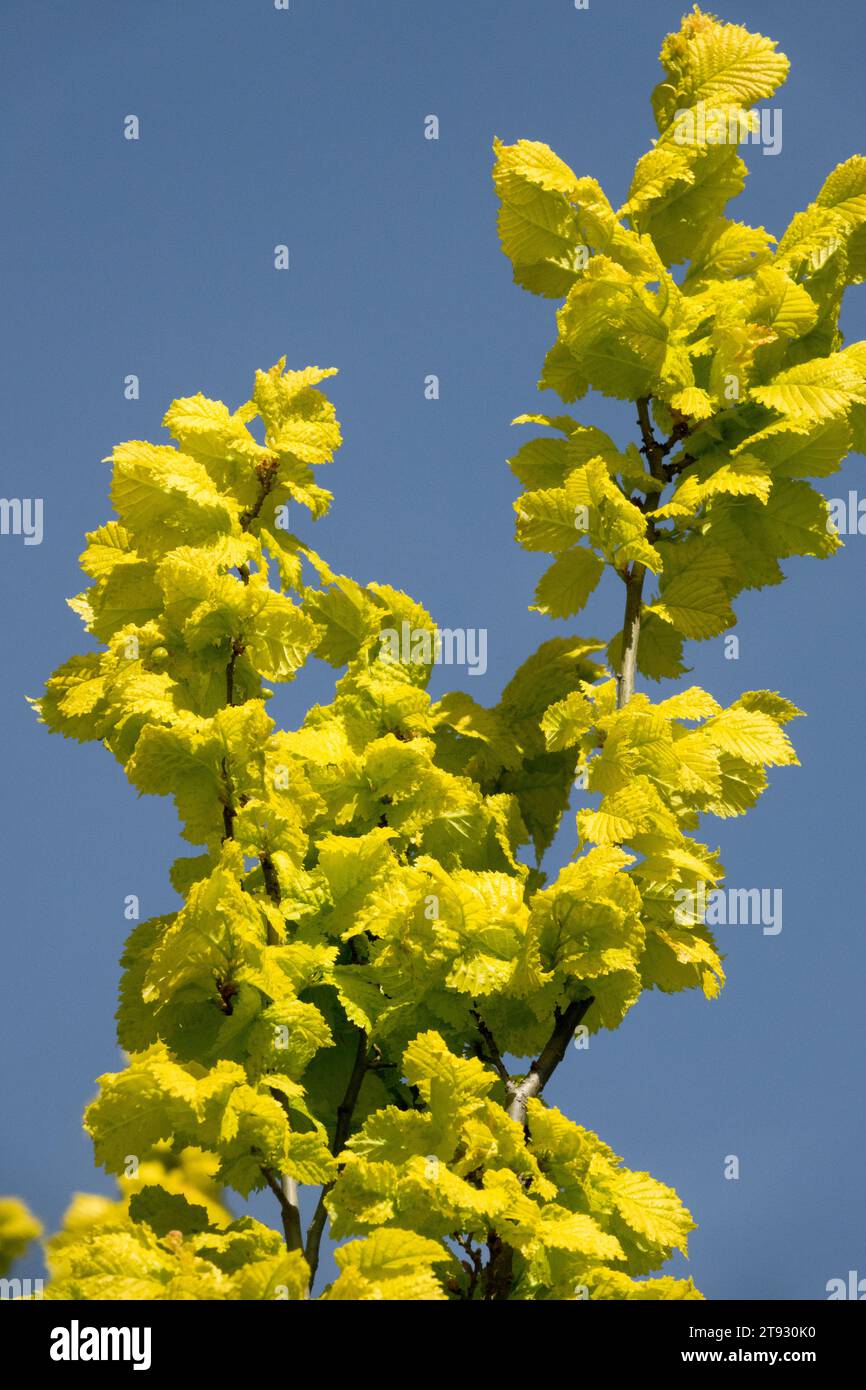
(267,475)
(341,1134)
(473,1266)
(229,811)
(269,873)
(630,634)
(492,1054)
(499,1271)
(286,1192)
(548,1060)
(238,646)
(655,451)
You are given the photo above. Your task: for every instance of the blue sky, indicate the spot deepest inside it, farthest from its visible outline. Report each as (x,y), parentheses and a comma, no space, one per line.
(155,257)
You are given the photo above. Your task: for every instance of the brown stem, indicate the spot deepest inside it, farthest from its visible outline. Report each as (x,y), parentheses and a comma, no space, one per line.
(472,1265)
(238,647)
(499,1274)
(655,452)
(341,1134)
(630,634)
(499,1271)
(489,1052)
(548,1059)
(229,811)
(269,873)
(285,1191)
(267,475)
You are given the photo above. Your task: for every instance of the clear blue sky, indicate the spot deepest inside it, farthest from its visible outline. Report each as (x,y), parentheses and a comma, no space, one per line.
(305,127)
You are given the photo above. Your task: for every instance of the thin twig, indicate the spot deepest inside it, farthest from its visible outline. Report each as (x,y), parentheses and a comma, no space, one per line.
(267,475)
(492,1054)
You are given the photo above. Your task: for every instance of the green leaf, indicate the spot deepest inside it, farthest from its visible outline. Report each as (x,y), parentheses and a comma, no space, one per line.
(167,1211)
(18,1228)
(565,587)
(715,63)
(696,606)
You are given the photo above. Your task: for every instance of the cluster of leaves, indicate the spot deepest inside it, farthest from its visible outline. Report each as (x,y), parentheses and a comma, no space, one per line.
(358,915)
(363,939)
(169,1236)
(727,340)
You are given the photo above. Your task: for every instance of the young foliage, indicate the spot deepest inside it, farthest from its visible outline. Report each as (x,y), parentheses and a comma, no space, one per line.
(362,946)
(736,360)
(18,1229)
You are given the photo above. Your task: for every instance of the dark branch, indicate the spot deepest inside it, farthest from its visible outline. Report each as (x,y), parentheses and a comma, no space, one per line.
(655,451)
(288,1209)
(238,647)
(489,1052)
(341,1133)
(272,883)
(548,1060)
(267,475)
(229,811)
